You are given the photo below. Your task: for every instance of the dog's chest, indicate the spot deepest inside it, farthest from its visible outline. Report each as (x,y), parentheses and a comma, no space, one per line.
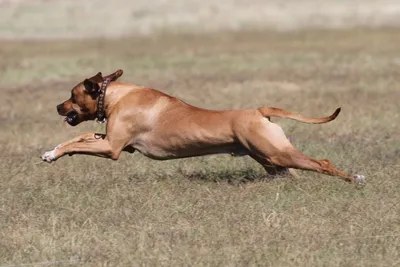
(152,147)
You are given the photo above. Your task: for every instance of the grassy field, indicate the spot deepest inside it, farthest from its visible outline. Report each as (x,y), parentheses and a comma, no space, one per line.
(216,210)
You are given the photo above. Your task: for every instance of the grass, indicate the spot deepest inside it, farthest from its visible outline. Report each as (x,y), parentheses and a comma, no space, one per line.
(216,210)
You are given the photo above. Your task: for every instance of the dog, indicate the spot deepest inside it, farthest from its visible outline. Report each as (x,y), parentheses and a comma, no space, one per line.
(163,127)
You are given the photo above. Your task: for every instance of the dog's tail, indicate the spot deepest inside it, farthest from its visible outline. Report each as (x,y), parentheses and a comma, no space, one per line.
(276,112)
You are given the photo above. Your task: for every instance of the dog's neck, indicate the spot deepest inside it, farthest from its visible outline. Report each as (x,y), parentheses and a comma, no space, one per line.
(115,91)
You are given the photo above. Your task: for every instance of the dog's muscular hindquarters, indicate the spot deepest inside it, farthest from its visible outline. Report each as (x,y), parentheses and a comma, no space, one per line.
(163,127)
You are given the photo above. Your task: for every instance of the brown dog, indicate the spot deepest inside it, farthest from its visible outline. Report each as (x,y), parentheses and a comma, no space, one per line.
(163,127)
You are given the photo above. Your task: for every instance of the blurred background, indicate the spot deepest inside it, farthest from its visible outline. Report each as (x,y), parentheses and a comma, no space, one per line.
(94,18)
(307,56)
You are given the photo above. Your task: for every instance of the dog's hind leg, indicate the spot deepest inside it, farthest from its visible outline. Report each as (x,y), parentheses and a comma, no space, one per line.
(269,167)
(273,169)
(268,144)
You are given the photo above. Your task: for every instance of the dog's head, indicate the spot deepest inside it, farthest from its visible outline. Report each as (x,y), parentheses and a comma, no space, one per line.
(82,105)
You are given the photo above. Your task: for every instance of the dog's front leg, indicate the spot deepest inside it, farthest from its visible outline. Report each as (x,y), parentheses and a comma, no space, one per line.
(90,144)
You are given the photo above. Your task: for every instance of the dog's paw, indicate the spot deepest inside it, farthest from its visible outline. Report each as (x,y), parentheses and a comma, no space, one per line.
(359,179)
(49,156)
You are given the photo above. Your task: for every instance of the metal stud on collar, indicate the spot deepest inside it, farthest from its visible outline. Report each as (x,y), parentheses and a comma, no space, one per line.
(101,116)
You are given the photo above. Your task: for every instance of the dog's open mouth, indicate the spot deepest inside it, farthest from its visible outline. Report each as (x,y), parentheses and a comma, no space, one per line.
(72,118)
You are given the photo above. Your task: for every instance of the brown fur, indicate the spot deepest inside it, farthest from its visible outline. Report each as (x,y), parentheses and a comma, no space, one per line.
(163,127)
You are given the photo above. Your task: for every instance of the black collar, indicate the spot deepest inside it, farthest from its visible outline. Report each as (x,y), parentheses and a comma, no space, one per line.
(101,115)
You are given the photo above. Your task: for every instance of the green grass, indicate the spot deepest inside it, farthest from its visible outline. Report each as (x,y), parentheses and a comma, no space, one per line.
(216,210)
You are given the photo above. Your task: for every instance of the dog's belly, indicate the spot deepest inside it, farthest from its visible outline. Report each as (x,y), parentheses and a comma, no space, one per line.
(173,147)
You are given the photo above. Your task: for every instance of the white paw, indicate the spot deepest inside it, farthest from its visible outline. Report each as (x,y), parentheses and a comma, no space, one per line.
(49,156)
(359,179)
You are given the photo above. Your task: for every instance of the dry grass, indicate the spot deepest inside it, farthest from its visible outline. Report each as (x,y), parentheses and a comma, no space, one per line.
(217,210)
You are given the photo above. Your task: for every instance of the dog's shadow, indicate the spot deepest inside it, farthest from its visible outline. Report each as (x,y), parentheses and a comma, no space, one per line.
(234,177)
(214,174)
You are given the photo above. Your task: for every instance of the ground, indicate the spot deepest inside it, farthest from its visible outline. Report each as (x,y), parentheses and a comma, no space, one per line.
(216,210)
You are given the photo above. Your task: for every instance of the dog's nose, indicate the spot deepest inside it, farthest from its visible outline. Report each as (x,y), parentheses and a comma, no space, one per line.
(59,107)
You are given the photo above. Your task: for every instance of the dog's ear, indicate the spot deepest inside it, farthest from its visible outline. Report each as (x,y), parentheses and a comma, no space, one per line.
(114,76)
(98,78)
(90,86)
